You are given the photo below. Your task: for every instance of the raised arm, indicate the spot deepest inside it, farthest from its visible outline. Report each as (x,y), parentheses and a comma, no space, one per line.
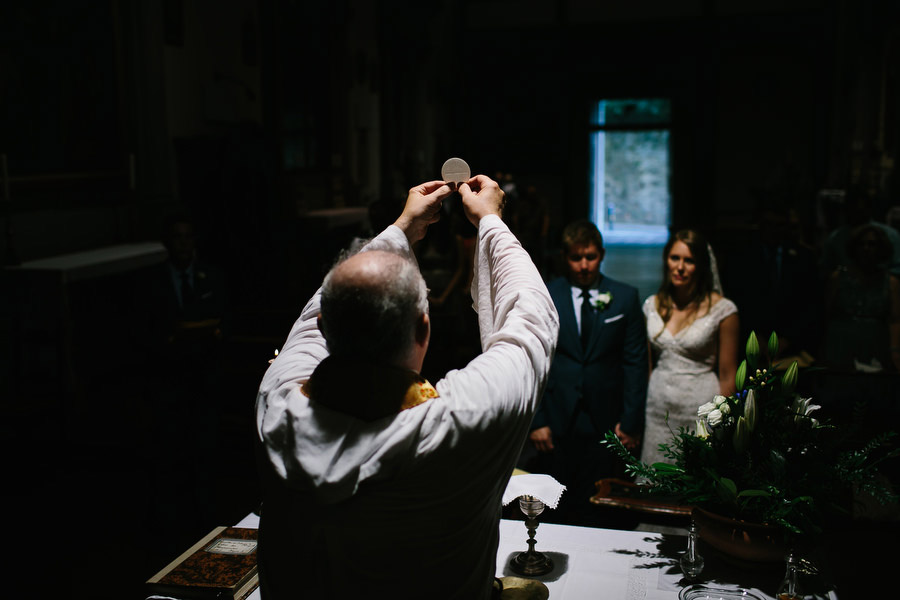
(517,319)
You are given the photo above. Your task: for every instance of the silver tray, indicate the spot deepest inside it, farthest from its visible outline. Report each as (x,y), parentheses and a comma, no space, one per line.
(700,591)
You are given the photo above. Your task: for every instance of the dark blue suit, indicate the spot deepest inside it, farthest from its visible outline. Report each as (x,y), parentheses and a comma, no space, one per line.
(590,390)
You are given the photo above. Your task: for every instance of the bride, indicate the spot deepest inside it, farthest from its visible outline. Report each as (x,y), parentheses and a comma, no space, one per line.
(693,334)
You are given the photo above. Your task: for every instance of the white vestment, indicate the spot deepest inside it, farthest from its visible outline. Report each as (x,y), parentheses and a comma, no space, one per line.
(407,505)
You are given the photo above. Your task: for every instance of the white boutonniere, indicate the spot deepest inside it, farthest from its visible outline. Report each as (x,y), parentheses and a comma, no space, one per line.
(601,301)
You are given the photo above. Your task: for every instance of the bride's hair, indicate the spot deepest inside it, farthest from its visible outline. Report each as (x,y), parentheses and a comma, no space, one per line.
(703,275)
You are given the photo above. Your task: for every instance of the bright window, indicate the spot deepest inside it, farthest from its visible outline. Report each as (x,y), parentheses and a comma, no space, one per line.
(630,170)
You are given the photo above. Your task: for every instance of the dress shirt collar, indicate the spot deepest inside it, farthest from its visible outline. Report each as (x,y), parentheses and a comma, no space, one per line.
(593,291)
(577,298)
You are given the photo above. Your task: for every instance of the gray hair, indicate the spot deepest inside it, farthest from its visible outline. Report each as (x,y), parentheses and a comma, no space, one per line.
(371,303)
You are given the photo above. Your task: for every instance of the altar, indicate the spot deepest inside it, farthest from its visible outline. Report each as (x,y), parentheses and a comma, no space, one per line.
(611,564)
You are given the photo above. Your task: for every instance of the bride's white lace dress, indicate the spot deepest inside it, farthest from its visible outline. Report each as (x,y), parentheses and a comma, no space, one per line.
(683,376)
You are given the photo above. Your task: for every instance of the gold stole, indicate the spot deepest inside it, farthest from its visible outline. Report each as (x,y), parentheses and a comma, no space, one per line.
(364,390)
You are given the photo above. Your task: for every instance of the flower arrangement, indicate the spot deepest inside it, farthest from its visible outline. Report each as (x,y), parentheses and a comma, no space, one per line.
(759,455)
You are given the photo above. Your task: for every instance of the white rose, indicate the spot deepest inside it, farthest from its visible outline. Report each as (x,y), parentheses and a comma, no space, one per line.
(725,408)
(719,400)
(705,409)
(715,417)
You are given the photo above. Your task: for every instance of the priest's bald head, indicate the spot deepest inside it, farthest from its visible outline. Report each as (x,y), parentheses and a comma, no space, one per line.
(375,309)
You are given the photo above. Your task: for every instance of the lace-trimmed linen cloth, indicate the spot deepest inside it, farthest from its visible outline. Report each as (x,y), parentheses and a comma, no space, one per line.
(683,375)
(543,487)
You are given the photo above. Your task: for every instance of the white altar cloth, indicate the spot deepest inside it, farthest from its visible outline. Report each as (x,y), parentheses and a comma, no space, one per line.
(594,563)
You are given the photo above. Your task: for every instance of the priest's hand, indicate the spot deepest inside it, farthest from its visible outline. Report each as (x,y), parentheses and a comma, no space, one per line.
(542,438)
(481,196)
(423,207)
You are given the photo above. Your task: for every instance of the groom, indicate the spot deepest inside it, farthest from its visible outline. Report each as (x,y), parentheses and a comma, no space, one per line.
(598,379)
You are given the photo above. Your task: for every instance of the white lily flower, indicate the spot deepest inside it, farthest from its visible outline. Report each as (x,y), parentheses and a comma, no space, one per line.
(750,409)
(702,431)
(802,407)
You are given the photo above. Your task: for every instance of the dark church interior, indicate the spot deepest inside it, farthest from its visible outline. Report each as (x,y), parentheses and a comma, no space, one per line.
(279,131)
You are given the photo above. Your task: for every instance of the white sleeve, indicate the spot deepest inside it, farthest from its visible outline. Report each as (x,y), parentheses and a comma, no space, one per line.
(518,322)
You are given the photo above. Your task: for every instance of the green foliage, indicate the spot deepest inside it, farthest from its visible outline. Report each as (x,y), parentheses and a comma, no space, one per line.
(787,469)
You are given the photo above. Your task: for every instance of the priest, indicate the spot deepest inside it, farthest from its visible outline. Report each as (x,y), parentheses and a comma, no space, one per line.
(375,482)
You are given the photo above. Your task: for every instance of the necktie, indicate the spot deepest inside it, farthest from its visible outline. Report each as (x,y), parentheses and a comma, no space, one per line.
(587,317)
